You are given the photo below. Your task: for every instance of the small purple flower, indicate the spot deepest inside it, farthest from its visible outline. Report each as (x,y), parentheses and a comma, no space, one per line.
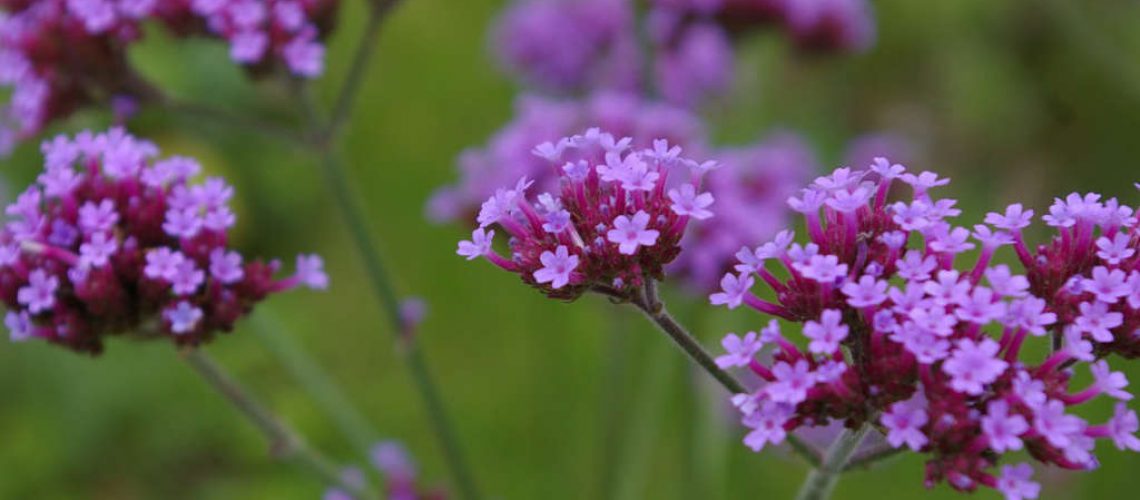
(866,293)
(226,266)
(311,272)
(767,424)
(688,202)
(1097,321)
(733,289)
(1108,286)
(1109,382)
(791,382)
(904,424)
(98,251)
(827,333)
(479,245)
(974,364)
(183,317)
(1014,219)
(916,267)
(822,268)
(1015,482)
(20,327)
(557,267)
(187,278)
(1002,429)
(740,350)
(39,294)
(182,223)
(163,264)
(97,218)
(1122,428)
(1055,425)
(1006,284)
(630,233)
(1115,250)
(305,57)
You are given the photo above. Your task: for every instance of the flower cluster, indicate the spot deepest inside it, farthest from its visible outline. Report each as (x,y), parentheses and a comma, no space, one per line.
(507,156)
(1089,272)
(903,336)
(617,216)
(112,240)
(57,56)
(828,25)
(691,60)
(390,459)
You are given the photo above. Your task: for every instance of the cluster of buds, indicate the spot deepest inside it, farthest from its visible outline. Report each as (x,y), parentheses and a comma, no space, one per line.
(507,155)
(616,219)
(57,56)
(112,240)
(391,460)
(901,336)
(1089,273)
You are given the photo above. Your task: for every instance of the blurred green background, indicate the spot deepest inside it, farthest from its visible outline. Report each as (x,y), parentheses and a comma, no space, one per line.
(1017,100)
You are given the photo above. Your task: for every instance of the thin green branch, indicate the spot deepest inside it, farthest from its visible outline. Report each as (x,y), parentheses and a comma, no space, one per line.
(378,11)
(821,481)
(284,443)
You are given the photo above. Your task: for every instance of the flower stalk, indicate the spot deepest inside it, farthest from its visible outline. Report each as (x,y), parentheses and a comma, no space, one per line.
(821,481)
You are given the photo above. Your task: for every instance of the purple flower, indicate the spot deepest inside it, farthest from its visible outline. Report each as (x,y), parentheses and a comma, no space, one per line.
(767,424)
(1109,382)
(183,317)
(1108,286)
(916,267)
(98,218)
(1006,284)
(187,278)
(904,424)
(688,202)
(1055,425)
(1002,429)
(827,333)
(557,267)
(226,266)
(867,292)
(1014,219)
(20,326)
(182,223)
(478,246)
(630,233)
(311,272)
(740,350)
(733,289)
(1097,321)
(972,365)
(39,294)
(822,268)
(97,252)
(1015,482)
(163,264)
(791,382)
(1122,428)
(1116,249)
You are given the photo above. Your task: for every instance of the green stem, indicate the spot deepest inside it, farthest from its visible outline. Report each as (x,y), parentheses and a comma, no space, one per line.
(821,481)
(378,11)
(871,457)
(650,304)
(284,443)
(316,382)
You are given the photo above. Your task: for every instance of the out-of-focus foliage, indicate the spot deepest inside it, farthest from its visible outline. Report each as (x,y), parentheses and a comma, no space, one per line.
(1017,100)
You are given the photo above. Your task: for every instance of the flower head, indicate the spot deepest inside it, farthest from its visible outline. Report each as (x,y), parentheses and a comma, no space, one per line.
(125,266)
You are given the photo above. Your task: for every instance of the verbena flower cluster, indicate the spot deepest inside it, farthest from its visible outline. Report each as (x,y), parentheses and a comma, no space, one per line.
(390,459)
(59,55)
(112,240)
(566,45)
(508,155)
(903,333)
(616,218)
(827,25)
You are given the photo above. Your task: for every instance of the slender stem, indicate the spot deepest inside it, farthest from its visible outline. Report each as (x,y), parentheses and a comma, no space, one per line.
(354,215)
(316,381)
(242,121)
(650,304)
(377,12)
(284,443)
(866,460)
(821,481)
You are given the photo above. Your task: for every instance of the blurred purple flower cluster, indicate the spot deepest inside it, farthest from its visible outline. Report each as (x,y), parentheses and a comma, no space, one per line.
(57,56)
(390,459)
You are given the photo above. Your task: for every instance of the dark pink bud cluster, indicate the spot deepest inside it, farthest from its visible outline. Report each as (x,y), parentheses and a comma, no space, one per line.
(901,335)
(825,25)
(112,240)
(617,217)
(1089,272)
